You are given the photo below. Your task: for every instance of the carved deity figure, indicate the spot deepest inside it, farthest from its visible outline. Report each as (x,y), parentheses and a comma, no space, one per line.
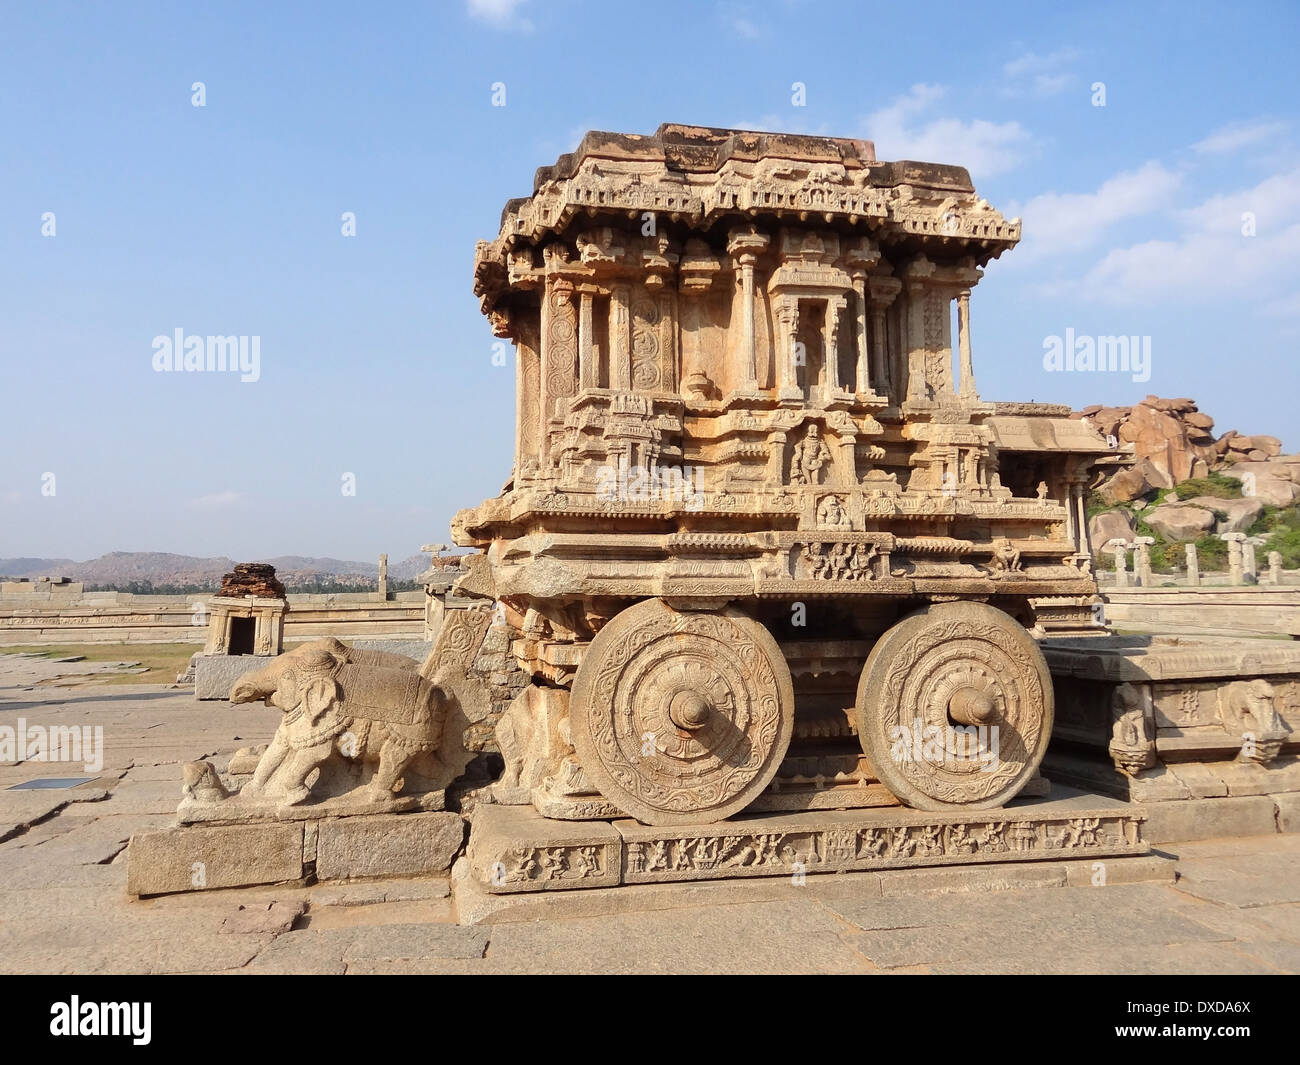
(838,562)
(1006,557)
(810,455)
(860,564)
(831,514)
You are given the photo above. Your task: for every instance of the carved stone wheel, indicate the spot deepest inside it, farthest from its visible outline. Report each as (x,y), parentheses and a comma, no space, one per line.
(932,676)
(681,717)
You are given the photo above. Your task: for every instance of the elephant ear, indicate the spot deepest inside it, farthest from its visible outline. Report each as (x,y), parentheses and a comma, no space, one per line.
(318,696)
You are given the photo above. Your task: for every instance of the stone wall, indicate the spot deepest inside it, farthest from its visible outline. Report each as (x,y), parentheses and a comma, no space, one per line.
(1244,609)
(120,617)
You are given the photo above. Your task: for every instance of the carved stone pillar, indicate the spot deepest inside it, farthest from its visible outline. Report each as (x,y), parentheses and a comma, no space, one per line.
(559,357)
(744,245)
(1250,572)
(1120,549)
(914,347)
(788,323)
(967,387)
(587,375)
(1193,564)
(1234,555)
(620,338)
(1142,559)
(845,472)
(1071,517)
(831,345)
(865,352)
(883,292)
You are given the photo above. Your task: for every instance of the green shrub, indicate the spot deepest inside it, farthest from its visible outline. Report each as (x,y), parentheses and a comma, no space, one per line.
(1212,553)
(1286,542)
(1214,484)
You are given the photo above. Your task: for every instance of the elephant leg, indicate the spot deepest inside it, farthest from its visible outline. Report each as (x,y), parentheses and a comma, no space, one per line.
(393,761)
(272,758)
(303,762)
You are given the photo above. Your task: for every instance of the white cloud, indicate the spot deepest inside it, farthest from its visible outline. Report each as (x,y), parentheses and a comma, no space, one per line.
(1273,202)
(1060,222)
(1040,75)
(217,500)
(499,13)
(984,148)
(1237,135)
(740,20)
(1213,257)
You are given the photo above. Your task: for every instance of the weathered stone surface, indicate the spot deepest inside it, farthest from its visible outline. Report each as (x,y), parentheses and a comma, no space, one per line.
(1109,525)
(1275,491)
(513,848)
(269,918)
(215,675)
(400,942)
(1287,811)
(1173,822)
(252,578)
(1181,522)
(202,859)
(393,845)
(1240,513)
(1132,483)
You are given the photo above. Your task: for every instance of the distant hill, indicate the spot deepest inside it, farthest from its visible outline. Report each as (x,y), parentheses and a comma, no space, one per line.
(123,568)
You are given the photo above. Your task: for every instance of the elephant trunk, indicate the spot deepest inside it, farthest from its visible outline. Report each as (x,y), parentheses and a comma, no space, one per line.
(252,687)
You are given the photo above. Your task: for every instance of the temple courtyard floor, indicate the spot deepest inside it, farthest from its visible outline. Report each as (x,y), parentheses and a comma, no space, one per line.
(1224,906)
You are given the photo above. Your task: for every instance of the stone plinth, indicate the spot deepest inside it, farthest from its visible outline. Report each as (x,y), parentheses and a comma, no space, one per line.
(205,857)
(1154,718)
(513,849)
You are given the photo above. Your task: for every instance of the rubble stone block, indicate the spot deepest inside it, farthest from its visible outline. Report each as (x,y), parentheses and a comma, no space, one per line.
(388,845)
(1176,822)
(196,858)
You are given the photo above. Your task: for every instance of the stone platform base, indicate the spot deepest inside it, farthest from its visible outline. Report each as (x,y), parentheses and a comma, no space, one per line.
(473,905)
(238,810)
(1175,780)
(514,849)
(214,675)
(205,857)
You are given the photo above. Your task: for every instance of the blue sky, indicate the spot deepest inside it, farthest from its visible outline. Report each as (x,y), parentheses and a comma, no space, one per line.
(226,220)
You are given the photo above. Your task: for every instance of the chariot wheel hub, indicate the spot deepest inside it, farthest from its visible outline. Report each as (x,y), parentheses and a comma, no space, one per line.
(971,706)
(689,710)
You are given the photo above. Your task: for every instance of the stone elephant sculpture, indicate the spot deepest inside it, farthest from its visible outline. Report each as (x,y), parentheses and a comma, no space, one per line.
(342,708)
(1248,710)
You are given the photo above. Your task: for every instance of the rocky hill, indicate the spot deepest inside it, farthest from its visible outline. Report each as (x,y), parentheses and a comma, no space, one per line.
(1187,485)
(121,569)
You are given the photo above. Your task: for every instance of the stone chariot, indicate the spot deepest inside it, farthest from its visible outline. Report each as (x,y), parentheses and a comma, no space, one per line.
(764,547)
